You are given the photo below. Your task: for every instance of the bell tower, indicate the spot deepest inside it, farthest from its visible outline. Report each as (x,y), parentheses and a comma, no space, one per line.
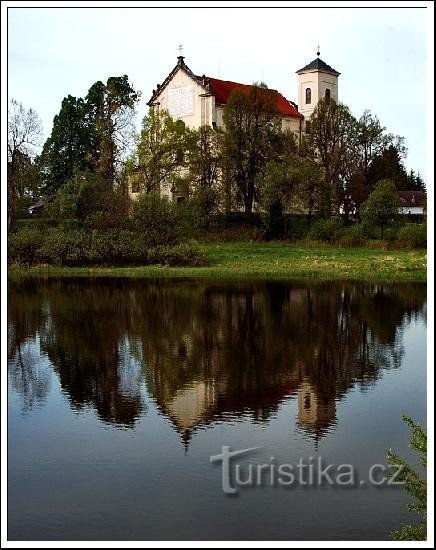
(315,81)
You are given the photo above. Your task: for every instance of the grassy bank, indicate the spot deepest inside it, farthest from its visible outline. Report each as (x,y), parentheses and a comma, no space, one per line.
(272,260)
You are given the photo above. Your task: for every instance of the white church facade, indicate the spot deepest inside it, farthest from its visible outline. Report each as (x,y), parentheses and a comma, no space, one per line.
(200,100)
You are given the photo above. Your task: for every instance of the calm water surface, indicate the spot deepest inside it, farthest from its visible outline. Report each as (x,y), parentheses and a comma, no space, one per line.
(120,391)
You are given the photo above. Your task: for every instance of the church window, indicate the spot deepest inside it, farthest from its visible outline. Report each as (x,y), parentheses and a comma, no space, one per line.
(308,96)
(327,94)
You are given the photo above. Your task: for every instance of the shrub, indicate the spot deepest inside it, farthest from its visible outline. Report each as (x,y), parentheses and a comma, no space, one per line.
(325,230)
(69,248)
(296,228)
(160,221)
(381,207)
(80,247)
(352,236)
(413,235)
(23,246)
(183,254)
(34,223)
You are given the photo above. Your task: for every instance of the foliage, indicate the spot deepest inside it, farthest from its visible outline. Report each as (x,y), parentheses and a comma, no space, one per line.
(352,236)
(23,246)
(181,254)
(205,163)
(413,235)
(70,147)
(81,247)
(414,484)
(160,221)
(253,127)
(159,152)
(90,135)
(381,208)
(87,199)
(277,186)
(24,134)
(110,108)
(325,230)
(333,132)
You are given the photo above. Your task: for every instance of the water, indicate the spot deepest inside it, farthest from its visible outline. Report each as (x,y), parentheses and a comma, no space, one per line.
(121,390)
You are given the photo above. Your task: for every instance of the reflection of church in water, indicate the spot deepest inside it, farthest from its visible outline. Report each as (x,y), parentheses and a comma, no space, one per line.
(208,352)
(200,403)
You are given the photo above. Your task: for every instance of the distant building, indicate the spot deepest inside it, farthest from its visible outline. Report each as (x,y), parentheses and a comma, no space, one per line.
(412,202)
(37,209)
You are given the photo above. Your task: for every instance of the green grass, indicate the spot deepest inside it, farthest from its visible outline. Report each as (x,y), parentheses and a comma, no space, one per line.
(239,260)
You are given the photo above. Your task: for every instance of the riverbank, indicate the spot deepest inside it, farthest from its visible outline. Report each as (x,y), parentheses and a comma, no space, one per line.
(237,260)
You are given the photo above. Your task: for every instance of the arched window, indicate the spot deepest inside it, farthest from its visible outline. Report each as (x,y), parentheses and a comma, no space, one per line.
(327,94)
(308,96)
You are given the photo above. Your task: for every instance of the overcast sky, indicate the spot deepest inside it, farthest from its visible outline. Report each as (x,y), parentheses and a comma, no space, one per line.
(380,53)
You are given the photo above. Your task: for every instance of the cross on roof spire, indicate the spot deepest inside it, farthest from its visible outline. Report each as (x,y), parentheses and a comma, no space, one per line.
(318,52)
(180,48)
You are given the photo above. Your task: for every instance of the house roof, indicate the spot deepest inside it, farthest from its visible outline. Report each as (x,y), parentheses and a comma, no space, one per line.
(318,65)
(412,198)
(222,89)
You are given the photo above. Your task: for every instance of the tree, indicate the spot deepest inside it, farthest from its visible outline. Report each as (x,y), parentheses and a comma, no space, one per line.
(205,169)
(381,208)
(160,152)
(373,141)
(388,165)
(252,124)
(110,111)
(414,484)
(69,148)
(24,135)
(333,132)
(415,182)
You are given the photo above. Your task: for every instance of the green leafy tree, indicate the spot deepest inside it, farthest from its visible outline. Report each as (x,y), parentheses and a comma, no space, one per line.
(68,148)
(160,152)
(333,132)
(414,484)
(205,169)
(284,187)
(388,165)
(24,135)
(110,112)
(381,208)
(252,125)
(415,182)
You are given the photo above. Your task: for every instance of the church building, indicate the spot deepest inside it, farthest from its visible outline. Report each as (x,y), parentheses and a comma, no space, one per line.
(200,100)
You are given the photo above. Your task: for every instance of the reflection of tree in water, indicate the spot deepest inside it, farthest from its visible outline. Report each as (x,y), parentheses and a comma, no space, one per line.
(85,340)
(215,351)
(28,372)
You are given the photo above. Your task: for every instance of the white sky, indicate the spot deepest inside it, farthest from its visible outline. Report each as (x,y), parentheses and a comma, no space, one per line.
(381,54)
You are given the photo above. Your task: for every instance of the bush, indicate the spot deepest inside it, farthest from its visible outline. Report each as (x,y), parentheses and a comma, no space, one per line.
(413,235)
(352,236)
(160,221)
(325,230)
(183,254)
(80,247)
(23,246)
(296,228)
(69,248)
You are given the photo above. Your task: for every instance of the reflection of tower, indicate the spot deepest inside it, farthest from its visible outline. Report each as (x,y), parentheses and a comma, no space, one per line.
(316,412)
(190,406)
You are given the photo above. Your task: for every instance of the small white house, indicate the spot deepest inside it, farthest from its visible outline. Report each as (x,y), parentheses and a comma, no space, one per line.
(412,202)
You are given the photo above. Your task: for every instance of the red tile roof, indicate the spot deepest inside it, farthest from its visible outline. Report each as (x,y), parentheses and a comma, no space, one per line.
(412,198)
(223,88)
